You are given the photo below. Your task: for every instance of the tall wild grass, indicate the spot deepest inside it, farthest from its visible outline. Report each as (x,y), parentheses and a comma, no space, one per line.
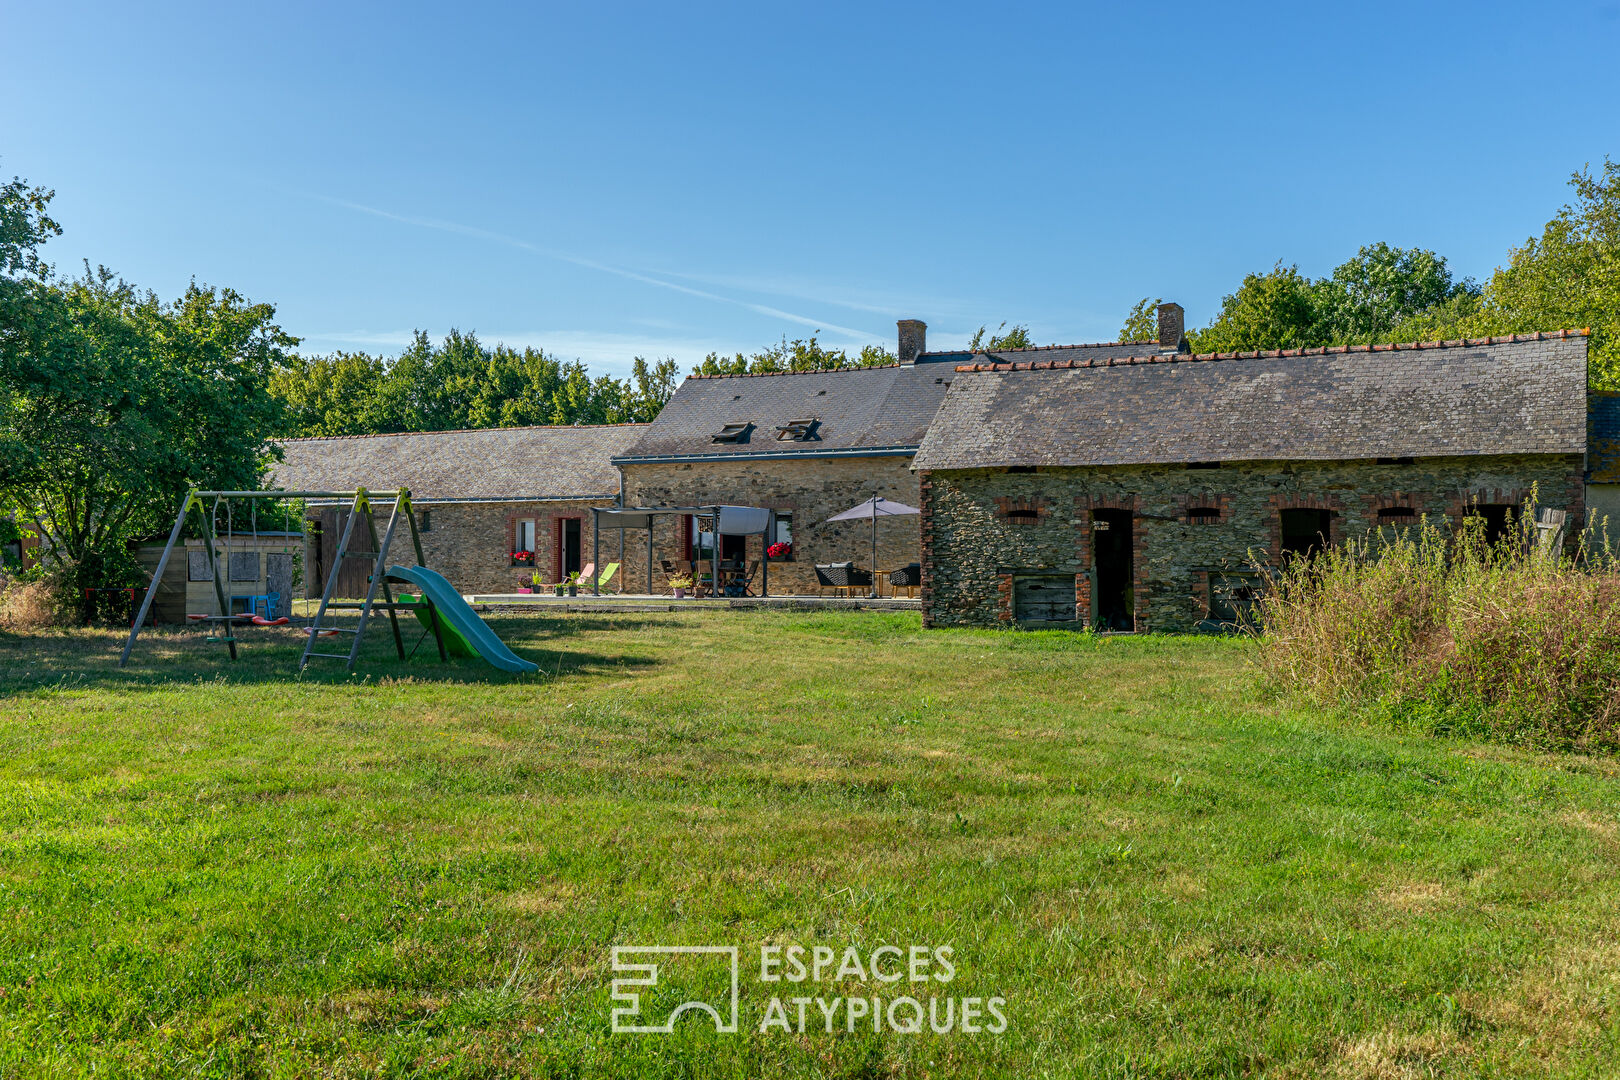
(1438,628)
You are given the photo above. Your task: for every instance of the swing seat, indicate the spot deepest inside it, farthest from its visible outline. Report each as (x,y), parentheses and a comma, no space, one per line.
(260,620)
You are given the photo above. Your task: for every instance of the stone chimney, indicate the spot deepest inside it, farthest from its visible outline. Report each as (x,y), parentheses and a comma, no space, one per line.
(913,339)
(1172,328)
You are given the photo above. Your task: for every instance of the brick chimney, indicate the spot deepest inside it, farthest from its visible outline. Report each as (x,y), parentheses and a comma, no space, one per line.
(913,339)
(1172,328)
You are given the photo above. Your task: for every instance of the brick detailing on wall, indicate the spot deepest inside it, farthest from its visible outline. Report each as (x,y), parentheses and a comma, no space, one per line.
(1222,504)
(973,548)
(1004,598)
(1374,505)
(1083,507)
(1302,501)
(1025,510)
(1082,559)
(925,503)
(1462,501)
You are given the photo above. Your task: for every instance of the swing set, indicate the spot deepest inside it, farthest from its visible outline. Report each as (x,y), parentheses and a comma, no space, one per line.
(359,506)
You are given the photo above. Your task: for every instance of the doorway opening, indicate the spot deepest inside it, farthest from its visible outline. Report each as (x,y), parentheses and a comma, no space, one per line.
(569,548)
(1113,594)
(1501,520)
(1305,531)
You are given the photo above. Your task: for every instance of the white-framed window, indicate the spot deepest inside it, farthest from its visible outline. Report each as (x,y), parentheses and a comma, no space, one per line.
(523,537)
(702,539)
(783,534)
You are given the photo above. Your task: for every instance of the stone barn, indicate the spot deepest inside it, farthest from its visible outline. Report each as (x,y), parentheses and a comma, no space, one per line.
(1135,493)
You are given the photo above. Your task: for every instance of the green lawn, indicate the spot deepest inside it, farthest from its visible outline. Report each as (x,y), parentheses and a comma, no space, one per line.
(210,869)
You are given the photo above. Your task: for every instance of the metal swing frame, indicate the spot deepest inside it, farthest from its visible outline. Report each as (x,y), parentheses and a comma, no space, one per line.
(359,503)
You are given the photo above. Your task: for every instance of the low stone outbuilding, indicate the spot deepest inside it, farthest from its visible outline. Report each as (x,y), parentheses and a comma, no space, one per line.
(496,506)
(1135,493)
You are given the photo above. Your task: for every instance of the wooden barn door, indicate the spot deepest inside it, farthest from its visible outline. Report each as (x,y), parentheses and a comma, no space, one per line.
(352,577)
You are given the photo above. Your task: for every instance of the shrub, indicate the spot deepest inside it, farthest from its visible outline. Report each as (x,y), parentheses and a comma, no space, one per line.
(1440,629)
(32,603)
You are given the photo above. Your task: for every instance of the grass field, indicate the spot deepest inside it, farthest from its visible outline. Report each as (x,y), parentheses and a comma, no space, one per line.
(218,870)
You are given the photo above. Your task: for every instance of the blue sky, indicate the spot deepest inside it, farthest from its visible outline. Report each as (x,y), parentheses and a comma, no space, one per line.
(612,180)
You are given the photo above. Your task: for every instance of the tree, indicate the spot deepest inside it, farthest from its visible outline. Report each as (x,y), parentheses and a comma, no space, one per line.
(1016,338)
(1274,310)
(1380,288)
(339,394)
(458,384)
(800,354)
(1142,324)
(117,401)
(1569,278)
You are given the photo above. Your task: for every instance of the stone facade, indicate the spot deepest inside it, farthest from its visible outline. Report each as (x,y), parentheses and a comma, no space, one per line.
(1193,531)
(472,543)
(811,489)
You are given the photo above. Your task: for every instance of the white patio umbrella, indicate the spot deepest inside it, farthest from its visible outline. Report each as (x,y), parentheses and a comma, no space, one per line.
(875,508)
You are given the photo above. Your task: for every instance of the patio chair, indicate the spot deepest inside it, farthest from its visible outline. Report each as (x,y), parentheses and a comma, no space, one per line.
(607,575)
(740,584)
(908,578)
(846,576)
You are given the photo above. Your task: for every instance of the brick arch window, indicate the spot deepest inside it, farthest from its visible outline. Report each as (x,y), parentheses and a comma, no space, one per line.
(1022,511)
(1204,508)
(1394,509)
(1301,524)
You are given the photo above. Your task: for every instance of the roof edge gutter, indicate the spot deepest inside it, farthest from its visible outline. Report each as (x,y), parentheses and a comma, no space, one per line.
(482,499)
(771,455)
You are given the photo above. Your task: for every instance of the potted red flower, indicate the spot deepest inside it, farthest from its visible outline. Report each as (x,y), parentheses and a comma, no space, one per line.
(523,558)
(779,550)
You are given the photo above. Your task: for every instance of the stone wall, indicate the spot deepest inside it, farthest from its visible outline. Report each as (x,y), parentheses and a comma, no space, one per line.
(1193,529)
(811,489)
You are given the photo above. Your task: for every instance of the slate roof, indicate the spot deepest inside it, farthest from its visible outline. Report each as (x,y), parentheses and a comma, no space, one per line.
(1525,393)
(861,411)
(490,464)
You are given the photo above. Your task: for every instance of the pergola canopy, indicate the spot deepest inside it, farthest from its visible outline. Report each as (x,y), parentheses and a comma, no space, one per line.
(728,521)
(734,520)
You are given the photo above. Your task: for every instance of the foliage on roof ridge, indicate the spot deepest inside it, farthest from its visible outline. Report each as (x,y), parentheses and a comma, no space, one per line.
(1268,354)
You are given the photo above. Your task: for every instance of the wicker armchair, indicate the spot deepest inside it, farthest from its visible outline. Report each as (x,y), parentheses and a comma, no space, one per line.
(846,576)
(908,578)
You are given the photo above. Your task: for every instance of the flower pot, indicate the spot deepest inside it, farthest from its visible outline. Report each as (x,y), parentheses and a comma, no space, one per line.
(559,590)
(522,589)
(573,590)
(680,593)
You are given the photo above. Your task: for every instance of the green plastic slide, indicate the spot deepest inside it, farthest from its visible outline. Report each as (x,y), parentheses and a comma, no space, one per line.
(454,643)
(463,628)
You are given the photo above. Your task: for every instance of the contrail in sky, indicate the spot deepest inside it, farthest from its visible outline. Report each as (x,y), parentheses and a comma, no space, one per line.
(590,264)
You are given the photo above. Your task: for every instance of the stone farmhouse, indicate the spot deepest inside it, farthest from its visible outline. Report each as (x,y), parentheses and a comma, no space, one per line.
(807,445)
(495,506)
(1131,492)
(1122,485)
